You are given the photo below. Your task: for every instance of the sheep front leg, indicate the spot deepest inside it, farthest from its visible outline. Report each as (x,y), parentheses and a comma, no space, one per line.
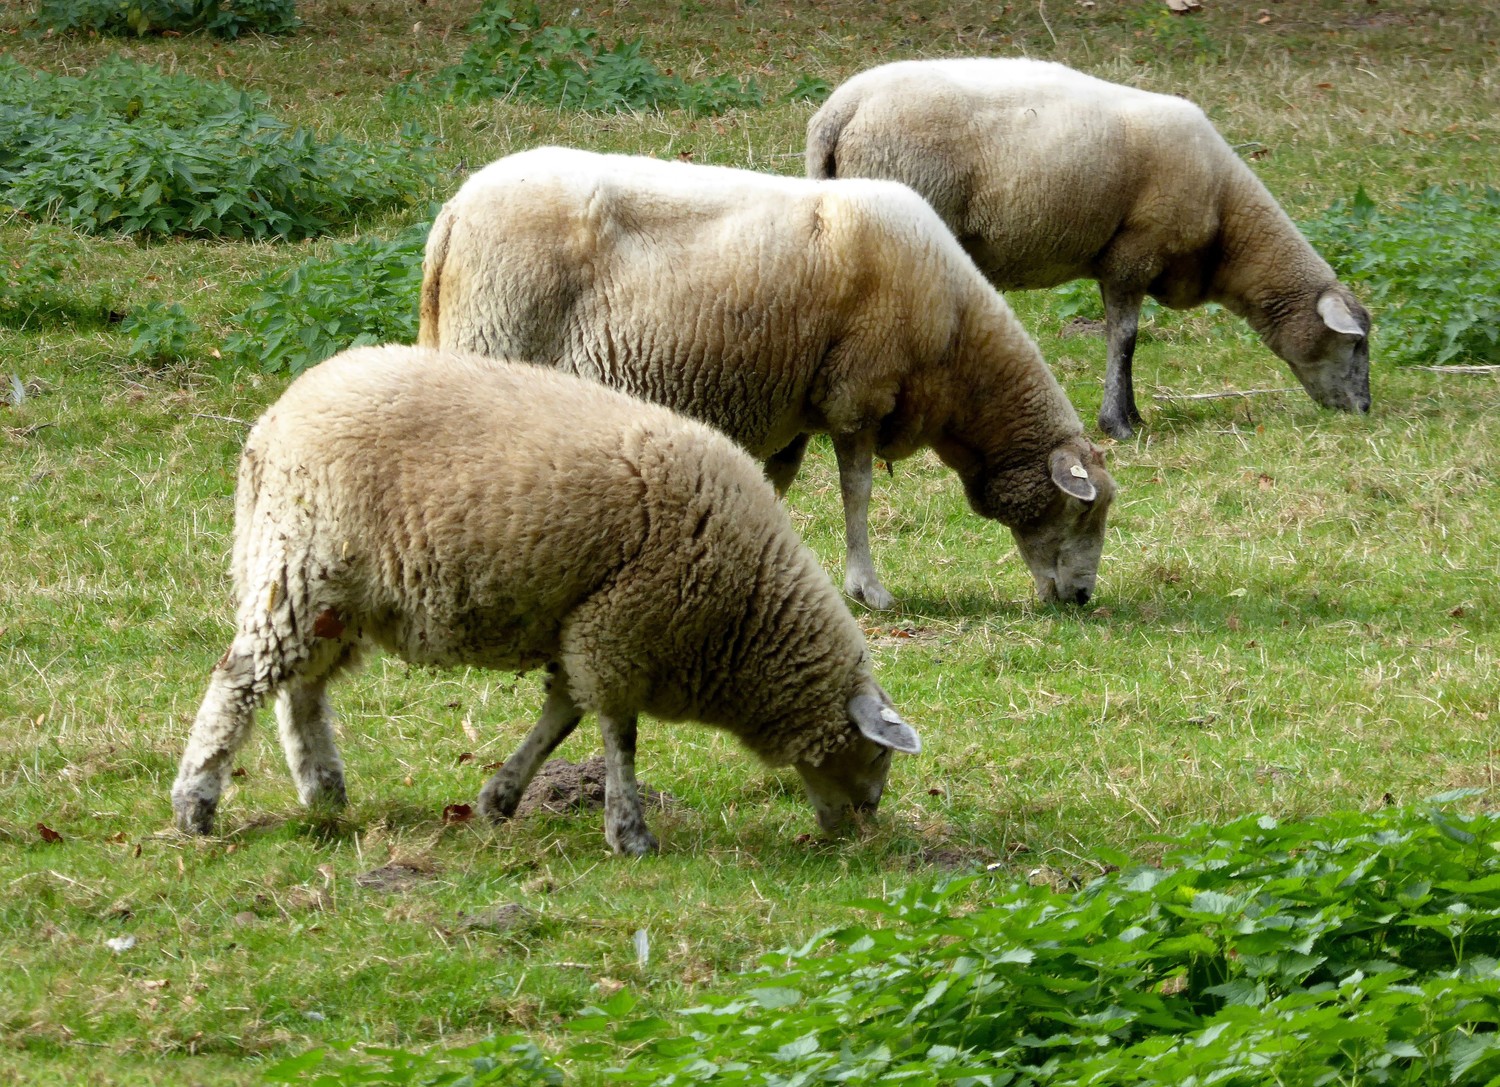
(220,729)
(856,457)
(624,823)
(1122,314)
(560,716)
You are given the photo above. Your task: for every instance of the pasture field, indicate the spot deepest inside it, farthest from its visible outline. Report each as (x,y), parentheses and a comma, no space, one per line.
(1296,611)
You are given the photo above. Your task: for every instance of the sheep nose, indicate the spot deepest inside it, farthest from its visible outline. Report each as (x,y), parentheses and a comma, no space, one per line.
(1081,596)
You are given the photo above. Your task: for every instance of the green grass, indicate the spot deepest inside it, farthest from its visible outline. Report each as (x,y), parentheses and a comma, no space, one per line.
(1296,612)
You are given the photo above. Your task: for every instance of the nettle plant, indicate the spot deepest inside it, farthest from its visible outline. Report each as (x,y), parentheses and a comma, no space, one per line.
(226,18)
(515,52)
(128,148)
(363,292)
(1428,267)
(1353,948)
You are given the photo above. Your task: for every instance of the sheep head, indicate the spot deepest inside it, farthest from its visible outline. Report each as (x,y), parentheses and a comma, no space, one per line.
(852,779)
(1327,345)
(1063,543)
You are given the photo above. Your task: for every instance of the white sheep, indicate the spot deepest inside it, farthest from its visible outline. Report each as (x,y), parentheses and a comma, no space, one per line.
(1046,175)
(453,510)
(775,308)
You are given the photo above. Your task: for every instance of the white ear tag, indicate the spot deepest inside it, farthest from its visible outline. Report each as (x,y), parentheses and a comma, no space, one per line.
(1079,471)
(890,716)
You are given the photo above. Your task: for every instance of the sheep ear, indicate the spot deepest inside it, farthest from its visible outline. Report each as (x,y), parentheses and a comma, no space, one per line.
(1335,313)
(880,724)
(1071,476)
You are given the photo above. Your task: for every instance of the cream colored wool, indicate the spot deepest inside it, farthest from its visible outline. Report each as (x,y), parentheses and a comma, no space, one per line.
(1046,175)
(461,510)
(775,308)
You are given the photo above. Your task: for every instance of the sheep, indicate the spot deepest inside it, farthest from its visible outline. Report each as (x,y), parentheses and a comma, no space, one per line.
(454,509)
(1046,175)
(774,308)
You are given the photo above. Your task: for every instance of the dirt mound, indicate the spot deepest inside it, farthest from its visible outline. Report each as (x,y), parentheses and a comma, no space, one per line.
(562,786)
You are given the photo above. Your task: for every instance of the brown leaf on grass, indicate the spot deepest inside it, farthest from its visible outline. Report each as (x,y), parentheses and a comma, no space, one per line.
(118,837)
(467,756)
(1458,612)
(239,772)
(493,765)
(457,813)
(49,835)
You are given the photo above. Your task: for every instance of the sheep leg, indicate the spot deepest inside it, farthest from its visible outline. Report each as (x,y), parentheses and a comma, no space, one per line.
(781,467)
(856,456)
(304,722)
(235,691)
(1122,314)
(624,823)
(560,716)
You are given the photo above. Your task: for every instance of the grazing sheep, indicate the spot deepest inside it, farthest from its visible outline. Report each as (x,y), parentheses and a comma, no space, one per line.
(775,308)
(460,510)
(1046,174)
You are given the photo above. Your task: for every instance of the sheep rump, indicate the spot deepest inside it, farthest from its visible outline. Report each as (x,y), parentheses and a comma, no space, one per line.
(1046,175)
(462,510)
(774,308)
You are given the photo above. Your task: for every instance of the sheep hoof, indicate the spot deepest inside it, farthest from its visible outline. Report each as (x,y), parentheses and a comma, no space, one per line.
(872,595)
(195,814)
(498,801)
(1116,426)
(631,841)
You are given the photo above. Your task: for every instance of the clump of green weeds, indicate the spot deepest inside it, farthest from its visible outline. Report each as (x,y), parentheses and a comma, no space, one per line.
(160,333)
(515,52)
(363,292)
(34,271)
(1428,268)
(225,18)
(127,148)
(1350,948)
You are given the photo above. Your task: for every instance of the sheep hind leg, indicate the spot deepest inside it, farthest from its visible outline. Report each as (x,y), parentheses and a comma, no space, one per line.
(560,716)
(240,681)
(856,456)
(304,722)
(624,823)
(1122,313)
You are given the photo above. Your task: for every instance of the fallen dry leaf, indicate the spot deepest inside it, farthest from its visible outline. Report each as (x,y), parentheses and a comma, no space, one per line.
(49,835)
(457,813)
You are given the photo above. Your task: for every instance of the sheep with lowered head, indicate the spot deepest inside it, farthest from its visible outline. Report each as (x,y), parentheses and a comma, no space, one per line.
(775,308)
(454,509)
(1046,175)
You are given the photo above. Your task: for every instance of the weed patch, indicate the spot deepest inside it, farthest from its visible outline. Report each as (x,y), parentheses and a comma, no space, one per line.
(516,53)
(363,292)
(1429,267)
(225,18)
(127,148)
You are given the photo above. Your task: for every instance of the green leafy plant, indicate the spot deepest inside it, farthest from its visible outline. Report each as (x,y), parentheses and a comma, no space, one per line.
(1349,949)
(33,272)
(514,52)
(1427,266)
(363,292)
(160,334)
(128,148)
(226,18)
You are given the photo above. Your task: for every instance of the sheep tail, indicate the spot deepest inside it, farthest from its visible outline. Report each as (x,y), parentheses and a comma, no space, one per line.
(432,279)
(823,133)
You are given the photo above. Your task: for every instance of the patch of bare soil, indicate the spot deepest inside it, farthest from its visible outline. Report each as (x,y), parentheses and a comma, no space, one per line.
(1081,326)
(561,786)
(392,878)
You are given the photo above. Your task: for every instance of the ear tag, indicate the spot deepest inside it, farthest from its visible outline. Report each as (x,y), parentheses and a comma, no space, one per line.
(1079,470)
(890,716)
